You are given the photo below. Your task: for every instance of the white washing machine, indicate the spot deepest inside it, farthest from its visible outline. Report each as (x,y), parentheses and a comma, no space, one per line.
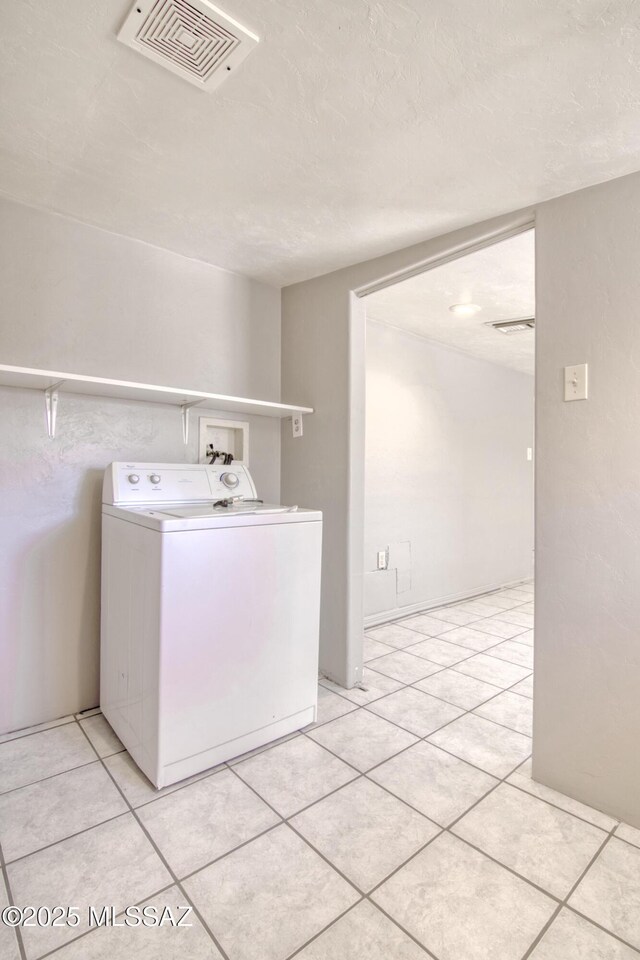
(210,615)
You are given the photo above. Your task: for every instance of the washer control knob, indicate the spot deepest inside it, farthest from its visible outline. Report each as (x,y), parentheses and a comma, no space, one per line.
(154,478)
(230,480)
(134,478)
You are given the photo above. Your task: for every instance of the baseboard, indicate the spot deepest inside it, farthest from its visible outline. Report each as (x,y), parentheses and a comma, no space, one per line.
(399,613)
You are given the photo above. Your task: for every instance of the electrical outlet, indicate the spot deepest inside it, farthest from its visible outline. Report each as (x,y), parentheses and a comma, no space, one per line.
(382,559)
(296,425)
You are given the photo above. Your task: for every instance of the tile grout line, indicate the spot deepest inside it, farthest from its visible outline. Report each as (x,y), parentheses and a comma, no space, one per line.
(20,734)
(445,666)
(499,781)
(359,775)
(369,894)
(282,821)
(595,923)
(362,896)
(130,807)
(475,598)
(473,624)
(324,929)
(425,739)
(70,836)
(504,726)
(52,776)
(616,836)
(413,683)
(474,653)
(205,866)
(81,936)
(7,884)
(472,710)
(47,725)
(555,806)
(442,636)
(357,770)
(285,821)
(412,686)
(399,620)
(99,759)
(448,829)
(529,670)
(407,933)
(504,659)
(313,803)
(159,854)
(563,901)
(365,775)
(404,863)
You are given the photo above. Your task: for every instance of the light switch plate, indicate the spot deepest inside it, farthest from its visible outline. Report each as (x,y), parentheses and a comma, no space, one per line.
(576,382)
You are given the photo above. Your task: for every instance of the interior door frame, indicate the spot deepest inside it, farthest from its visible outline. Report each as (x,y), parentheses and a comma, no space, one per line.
(357,420)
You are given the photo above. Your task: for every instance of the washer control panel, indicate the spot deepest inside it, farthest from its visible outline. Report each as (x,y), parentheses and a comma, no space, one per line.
(126,484)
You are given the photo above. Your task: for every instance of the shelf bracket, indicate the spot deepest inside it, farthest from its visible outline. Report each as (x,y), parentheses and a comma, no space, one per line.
(51,407)
(185,407)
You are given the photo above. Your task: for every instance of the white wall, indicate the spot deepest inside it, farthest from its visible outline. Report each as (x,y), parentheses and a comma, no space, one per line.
(82,300)
(587,689)
(447,483)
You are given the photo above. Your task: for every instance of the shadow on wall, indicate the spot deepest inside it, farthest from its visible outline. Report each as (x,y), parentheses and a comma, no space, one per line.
(56,585)
(51,535)
(54,604)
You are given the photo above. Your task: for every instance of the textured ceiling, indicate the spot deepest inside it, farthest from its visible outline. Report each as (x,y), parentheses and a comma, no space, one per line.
(500,279)
(354,129)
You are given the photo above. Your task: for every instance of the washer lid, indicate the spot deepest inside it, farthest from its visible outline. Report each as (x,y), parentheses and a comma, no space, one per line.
(211,510)
(171,518)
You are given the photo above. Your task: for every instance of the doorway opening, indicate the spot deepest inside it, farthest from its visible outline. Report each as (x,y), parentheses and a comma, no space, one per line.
(448,505)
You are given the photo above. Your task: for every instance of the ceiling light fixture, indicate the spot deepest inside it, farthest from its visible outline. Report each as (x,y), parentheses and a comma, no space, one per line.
(464,309)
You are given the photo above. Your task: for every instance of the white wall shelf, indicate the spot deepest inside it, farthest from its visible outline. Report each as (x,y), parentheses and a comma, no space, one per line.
(52,382)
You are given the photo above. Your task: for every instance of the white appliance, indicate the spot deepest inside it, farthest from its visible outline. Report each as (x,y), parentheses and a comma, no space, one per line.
(210,615)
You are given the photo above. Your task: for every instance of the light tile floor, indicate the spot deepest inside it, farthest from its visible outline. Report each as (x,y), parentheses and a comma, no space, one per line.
(404,824)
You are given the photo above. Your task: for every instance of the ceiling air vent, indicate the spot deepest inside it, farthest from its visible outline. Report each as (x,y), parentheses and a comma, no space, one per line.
(195,40)
(513,326)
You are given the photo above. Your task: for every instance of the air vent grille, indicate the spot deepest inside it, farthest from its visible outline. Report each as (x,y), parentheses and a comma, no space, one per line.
(194,39)
(513,326)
